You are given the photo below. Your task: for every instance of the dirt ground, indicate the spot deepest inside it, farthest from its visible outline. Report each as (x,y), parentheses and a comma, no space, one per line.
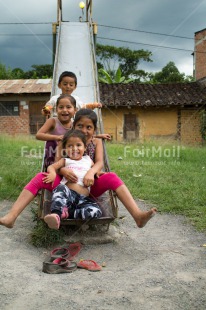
(162,266)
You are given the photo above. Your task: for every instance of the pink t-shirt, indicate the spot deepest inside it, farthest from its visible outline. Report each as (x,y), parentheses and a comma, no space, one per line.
(59,128)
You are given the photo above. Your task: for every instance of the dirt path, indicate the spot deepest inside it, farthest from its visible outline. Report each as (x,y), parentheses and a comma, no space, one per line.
(161,266)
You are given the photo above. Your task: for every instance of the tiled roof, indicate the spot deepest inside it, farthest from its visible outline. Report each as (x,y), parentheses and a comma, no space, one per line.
(145,95)
(133,94)
(30,86)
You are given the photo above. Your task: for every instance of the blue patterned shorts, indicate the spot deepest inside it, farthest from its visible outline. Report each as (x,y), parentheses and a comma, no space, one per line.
(79,206)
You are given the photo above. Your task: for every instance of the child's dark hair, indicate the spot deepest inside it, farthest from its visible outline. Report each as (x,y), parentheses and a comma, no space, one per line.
(88,113)
(67,74)
(71,98)
(73,133)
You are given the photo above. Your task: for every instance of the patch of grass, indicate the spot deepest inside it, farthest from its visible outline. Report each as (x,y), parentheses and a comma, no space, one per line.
(42,236)
(20,160)
(169,176)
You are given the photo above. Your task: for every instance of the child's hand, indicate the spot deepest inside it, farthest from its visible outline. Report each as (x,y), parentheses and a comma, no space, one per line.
(104,136)
(45,113)
(60,138)
(49,177)
(99,173)
(88,179)
(69,175)
(93,105)
(99,105)
(46,110)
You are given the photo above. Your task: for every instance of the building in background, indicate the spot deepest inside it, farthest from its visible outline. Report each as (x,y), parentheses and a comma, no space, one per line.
(131,112)
(200,54)
(21,102)
(173,112)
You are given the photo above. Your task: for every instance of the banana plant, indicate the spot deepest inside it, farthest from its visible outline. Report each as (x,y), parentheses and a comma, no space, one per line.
(107,78)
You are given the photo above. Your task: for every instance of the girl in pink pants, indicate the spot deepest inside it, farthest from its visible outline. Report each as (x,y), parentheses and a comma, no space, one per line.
(107,181)
(86,121)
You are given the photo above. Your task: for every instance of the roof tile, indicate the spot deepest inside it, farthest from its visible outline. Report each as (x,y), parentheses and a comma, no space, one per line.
(152,94)
(133,94)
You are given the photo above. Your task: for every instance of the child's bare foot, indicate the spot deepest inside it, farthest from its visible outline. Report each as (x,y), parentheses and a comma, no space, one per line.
(7,221)
(52,220)
(142,219)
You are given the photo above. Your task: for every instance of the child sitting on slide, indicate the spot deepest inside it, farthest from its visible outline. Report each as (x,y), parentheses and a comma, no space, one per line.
(54,128)
(67,83)
(71,200)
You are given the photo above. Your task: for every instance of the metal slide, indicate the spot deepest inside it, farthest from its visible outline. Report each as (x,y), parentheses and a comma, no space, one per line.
(75,52)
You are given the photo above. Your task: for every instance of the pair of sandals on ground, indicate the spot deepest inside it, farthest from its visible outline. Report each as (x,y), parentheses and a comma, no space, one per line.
(61,260)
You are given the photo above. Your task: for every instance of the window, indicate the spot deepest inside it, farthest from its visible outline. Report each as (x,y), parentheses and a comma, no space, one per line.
(9,108)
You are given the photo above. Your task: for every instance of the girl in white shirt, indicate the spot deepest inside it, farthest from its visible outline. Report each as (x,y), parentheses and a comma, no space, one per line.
(71,200)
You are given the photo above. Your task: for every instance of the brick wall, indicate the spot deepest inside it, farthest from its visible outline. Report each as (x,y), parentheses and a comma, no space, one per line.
(29,107)
(190,132)
(13,125)
(200,54)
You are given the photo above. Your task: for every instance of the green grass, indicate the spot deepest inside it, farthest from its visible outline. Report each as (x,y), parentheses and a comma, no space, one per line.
(19,161)
(42,236)
(171,177)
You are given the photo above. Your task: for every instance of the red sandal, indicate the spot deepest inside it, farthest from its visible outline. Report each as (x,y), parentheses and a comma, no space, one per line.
(89,264)
(69,252)
(74,249)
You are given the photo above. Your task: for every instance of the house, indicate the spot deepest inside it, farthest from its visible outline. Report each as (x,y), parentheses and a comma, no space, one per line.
(145,111)
(21,102)
(130,112)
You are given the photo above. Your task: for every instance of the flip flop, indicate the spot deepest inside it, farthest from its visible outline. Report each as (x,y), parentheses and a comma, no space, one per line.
(74,249)
(69,253)
(89,264)
(58,265)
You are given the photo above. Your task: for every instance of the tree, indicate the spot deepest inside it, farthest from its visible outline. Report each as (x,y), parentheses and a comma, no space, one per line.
(17,73)
(5,74)
(112,57)
(105,77)
(39,72)
(169,74)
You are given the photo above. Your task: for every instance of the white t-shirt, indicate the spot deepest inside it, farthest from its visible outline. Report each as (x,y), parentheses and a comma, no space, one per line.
(80,168)
(53,100)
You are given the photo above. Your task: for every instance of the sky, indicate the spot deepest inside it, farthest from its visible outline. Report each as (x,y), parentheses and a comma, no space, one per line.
(164,27)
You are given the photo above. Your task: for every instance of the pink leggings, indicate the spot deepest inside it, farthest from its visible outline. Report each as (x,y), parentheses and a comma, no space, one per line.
(107,181)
